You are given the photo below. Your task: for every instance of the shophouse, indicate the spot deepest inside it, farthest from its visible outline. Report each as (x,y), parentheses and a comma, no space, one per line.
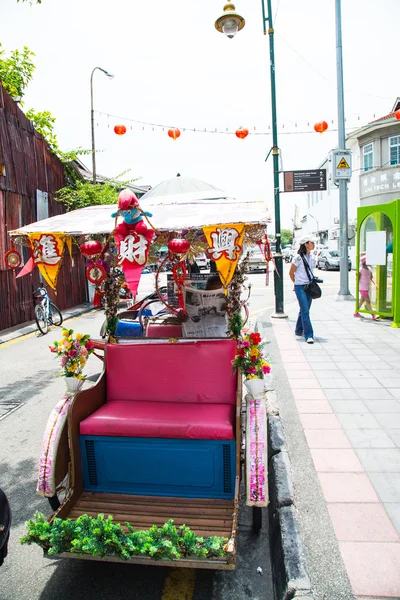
(375,149)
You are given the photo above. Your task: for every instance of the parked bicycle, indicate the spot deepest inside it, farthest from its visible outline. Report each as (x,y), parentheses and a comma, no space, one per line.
(46,312)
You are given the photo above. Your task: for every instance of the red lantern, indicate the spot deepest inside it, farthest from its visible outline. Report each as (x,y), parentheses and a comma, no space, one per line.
(178,246)
(91,248)
(179,275)
(321,126)
(397,114)
(174,133)
(242,133)
(120,129)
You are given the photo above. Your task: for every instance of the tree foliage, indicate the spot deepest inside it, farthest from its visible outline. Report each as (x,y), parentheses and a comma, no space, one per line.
(286,237)
(16,71)
(44,123)
(84,193)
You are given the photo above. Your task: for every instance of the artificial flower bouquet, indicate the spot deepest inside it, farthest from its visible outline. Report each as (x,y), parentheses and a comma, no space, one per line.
(249,357)
(73,352)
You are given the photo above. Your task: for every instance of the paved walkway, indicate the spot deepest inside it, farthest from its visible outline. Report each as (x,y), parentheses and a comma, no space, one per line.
(347,391)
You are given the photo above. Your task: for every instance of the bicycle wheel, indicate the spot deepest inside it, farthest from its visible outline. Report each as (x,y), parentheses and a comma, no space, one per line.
(55,315)
(41,320)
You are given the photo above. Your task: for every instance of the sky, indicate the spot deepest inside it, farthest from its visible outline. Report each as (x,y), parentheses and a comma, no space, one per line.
(172,68)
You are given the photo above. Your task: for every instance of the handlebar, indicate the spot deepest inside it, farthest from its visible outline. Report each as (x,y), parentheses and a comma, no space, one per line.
(41,292)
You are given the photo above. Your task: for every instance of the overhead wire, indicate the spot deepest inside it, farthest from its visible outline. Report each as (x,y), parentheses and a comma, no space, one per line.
(205,130)
(323,76)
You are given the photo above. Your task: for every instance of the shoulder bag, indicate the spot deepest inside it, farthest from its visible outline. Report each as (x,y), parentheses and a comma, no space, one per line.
(311,288)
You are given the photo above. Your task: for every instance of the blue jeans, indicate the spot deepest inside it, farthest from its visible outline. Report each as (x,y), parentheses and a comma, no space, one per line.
(303,324)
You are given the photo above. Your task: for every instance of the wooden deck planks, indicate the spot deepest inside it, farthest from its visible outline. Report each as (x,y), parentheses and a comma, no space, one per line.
(204,516)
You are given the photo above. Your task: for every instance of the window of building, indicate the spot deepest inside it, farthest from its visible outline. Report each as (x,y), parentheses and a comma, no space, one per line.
(394,150)
(368,154)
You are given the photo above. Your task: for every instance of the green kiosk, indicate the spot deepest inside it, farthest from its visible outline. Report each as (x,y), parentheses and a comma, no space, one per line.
(378,239)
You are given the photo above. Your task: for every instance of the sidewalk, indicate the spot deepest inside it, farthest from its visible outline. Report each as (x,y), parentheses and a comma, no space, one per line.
(346,389)
(6,335)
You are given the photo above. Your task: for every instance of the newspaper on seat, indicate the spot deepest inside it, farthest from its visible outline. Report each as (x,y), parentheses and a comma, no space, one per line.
(206,310)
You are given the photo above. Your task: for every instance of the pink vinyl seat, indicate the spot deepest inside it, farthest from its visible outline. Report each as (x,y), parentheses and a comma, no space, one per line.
(164,390)
(162,420)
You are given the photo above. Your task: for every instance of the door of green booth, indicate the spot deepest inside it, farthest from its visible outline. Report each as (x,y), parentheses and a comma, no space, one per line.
(378,230)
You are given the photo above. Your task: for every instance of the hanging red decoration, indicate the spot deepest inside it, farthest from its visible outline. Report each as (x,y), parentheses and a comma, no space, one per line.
(397,114)
(120,129)
(13,259)
(178,246)
(91,248)
(96,273)
(321,126)
(174,133)
(97,298)
(242,133)
(179,274)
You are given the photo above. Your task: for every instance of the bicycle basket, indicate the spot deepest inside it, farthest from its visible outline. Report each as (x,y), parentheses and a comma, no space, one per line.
(40,293)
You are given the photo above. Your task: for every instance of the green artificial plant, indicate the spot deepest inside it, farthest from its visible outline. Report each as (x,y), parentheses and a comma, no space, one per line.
(100,536)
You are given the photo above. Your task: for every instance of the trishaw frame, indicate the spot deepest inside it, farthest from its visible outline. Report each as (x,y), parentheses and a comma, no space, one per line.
(69,460)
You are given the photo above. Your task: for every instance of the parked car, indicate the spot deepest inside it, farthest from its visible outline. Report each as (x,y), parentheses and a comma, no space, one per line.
(288,249)
(202,261)
(257,262)
(330,259)
(318,248)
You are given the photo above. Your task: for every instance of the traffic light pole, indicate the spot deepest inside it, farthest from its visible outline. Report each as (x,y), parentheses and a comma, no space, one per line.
(278,273)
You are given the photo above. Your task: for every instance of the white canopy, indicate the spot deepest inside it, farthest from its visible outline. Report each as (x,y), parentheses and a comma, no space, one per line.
(178,203)
(168,215)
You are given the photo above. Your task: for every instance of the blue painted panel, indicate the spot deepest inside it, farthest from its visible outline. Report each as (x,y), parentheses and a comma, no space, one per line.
(159,467)
(126,328)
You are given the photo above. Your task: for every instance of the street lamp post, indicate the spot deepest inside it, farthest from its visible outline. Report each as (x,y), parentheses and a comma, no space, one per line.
(230,23)
(92,119)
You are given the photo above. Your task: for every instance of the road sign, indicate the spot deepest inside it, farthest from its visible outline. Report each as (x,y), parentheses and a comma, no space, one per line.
(305,181)
(341,163)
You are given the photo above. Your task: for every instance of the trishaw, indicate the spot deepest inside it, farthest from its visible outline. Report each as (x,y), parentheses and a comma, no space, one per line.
(163,433)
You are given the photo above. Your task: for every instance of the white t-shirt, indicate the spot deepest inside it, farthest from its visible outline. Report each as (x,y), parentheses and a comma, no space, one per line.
(300,274)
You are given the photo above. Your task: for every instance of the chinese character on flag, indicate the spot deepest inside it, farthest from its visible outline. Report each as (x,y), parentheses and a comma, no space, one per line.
(47,251)
(225,246)
(133,251)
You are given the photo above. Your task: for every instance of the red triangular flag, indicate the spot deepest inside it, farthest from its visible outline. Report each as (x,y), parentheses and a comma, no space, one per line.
(27,268)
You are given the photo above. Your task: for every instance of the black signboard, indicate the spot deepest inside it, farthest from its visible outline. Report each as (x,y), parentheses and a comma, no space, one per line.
(305,181)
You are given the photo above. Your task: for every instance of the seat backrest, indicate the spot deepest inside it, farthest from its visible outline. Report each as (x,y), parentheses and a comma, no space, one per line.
(185,371)
(159,330)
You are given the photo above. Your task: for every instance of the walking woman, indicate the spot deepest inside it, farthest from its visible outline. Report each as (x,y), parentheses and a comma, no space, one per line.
(298,274)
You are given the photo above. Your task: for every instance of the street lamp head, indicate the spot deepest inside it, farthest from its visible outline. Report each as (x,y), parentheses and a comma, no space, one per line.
(110,75)
(229,22)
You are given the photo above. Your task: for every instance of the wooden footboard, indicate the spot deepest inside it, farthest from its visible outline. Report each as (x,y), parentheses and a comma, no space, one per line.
(206,517)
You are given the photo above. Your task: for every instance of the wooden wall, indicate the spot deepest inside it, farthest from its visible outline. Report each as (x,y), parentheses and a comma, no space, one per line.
(28,165)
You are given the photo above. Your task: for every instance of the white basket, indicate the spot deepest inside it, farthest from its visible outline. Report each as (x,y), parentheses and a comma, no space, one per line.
(255,387)
(74,384)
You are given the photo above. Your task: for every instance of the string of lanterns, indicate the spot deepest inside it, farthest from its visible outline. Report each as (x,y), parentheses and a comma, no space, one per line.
(241,132)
